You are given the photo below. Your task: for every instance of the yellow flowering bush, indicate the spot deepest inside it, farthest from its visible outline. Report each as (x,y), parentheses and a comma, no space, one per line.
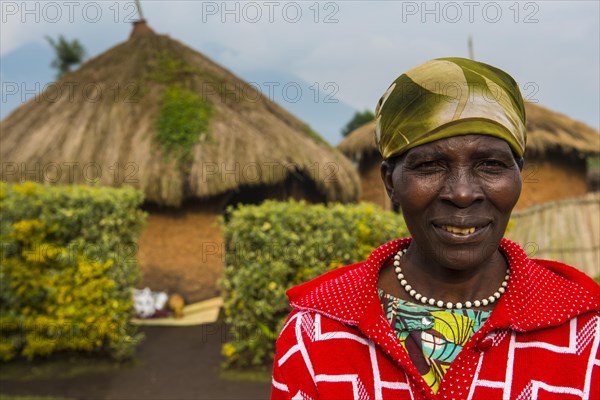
(277,245)
(67,269)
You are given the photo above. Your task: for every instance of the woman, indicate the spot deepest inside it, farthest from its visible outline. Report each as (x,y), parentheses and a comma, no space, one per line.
(456,311)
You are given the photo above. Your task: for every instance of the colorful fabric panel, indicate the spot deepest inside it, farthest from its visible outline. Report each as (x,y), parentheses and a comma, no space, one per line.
(432,336)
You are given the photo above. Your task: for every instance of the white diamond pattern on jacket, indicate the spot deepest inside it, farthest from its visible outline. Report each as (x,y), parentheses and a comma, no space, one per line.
(306,320)
(578,340)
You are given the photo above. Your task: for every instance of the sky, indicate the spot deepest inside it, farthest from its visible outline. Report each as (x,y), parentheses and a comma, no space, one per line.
(343,54)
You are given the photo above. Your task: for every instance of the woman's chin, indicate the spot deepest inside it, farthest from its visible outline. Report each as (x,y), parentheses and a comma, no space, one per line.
(459,255)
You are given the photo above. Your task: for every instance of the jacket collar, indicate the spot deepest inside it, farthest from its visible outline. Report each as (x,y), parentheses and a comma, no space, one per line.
(540,293)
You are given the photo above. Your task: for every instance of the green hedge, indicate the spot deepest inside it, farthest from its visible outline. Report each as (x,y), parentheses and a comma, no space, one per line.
(277,245)
(68,268)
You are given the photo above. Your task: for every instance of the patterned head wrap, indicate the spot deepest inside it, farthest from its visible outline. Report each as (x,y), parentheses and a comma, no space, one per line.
(449,97)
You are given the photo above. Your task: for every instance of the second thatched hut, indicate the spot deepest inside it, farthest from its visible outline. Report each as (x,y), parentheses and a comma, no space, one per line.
(555,159)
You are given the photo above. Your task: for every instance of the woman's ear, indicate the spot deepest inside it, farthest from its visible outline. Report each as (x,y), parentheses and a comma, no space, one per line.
(387,171)
(520,162)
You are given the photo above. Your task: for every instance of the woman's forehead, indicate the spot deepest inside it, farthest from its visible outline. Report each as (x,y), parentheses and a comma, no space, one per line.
(461,145)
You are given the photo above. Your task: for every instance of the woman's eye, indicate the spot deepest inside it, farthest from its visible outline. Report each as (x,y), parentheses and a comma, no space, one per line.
(429,166)
(492,164)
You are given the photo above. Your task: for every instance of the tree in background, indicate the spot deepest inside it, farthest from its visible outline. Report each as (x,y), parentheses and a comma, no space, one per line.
(360,118)
(67,54)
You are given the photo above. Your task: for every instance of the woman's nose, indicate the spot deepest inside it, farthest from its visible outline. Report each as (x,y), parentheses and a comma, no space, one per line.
(461,188)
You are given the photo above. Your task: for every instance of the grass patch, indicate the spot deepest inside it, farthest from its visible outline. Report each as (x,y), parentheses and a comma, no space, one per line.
(60,366)
(315,136)
(183,121)
(9,397)
(256,375)
(168,69)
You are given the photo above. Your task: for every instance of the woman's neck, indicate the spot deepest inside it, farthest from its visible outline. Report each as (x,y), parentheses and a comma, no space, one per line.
(433,280)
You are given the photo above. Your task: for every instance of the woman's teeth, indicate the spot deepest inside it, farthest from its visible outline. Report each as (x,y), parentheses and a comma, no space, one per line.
(460,231)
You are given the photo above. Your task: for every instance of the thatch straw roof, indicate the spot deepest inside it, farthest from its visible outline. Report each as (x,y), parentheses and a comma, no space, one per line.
(547,132)
(360,142)
(102,119)
(552,132)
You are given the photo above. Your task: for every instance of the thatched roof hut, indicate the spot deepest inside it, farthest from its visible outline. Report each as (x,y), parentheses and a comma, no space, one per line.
(550,132)
(555,159)
(118,108)
(154,114)
(359,146)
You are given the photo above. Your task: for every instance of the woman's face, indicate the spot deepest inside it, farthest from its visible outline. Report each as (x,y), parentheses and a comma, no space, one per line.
(456,195)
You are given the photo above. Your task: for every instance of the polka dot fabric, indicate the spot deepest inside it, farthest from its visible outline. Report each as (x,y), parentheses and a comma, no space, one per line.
(541,340)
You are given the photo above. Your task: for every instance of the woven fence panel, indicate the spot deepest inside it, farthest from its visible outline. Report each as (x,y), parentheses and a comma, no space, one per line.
(566,231)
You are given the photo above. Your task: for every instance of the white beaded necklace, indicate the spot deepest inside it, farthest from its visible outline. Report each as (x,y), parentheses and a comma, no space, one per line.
(440,303)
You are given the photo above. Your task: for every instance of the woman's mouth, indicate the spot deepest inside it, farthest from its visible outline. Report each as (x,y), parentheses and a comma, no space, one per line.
(462,234)
(459,231)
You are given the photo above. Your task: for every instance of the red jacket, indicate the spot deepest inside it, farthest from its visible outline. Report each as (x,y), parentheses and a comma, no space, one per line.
(540,342)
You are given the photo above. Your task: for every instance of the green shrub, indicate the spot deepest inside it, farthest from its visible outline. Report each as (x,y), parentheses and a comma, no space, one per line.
(68,268)
(277,245)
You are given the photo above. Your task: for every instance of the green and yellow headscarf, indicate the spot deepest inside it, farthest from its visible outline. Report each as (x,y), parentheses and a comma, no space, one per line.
(449,97)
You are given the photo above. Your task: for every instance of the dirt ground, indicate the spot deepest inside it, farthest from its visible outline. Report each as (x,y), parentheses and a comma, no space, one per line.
(172,363)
